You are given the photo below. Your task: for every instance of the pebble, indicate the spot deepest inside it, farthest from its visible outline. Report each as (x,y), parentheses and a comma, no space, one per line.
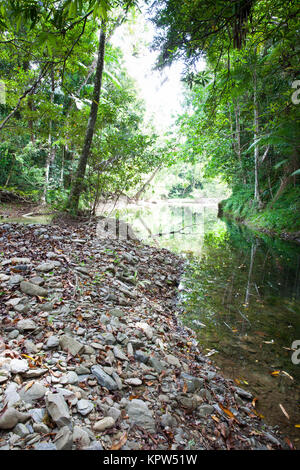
(104,424)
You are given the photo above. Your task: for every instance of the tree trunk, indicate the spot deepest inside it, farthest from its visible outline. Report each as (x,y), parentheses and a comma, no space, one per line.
(237,113)
(77,185)
(51,150)
(256,147)
(143,188)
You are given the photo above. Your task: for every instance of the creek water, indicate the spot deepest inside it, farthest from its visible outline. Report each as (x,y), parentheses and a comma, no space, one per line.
(240,293)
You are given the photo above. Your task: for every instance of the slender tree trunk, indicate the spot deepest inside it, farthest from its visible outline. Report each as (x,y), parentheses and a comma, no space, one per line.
(77,185)
(143,188)
(51,149)
(256,147)
(237,113)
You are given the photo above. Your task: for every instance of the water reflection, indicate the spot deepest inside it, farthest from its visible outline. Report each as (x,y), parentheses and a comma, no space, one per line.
(241,293)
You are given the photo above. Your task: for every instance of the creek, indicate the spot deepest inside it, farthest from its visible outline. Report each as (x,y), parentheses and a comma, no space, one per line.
(240,292)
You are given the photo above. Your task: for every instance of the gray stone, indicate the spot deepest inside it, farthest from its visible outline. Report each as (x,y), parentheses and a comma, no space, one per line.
(116,312)
(11,417)
(17,366)
(168,420)
(52,342)
(44,446)
(35,392)
(141,356)
(172,360)
(11,394)
(103,379)
(33,289)
(134,381)
(34,373)
(58,409)
(26,325)
(156,364)
(104,424)
(114,412)
(71,345)
(205,410)
(80,437)
(140,414)
(119,354)
(15,280)
(84,407)
(193,383)
(39,281)
(64,439)
(37,414)
(40,428)
(108,338)
(21,430)
(46,267)
(69,378)
(94,446)
(13,334)
(243,393)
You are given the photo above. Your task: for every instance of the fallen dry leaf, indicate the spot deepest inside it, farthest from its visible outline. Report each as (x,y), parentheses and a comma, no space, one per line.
(283,411)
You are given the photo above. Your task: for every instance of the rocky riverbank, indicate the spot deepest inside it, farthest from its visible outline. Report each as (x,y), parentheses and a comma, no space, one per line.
(92,355)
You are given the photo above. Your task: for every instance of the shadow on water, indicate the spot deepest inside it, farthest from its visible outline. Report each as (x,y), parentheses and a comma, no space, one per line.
(241,294)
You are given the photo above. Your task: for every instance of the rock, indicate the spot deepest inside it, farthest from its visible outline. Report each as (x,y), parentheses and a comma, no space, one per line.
(37,414)
(133,381)
(168,420)
(147,329)
(141,356)
(103,379)
(94,446)
(35,392)
(15,280)
(46,267)
(30,347)
(172,360)
(52,342)
(243,393)
(17,366)
(69,378)
(58,409)
(205,410)
(34,373)
(26,325)
(71,345)
(114,413)
(13,334)
(21,430)
(80,437)
(192,383)
(140,414)
(119,354)
(11,417)
(104,424)
(32,289)
(64,439)
(11,394)
(84,407)
(156,364)
(4,376)
(37,280)
(190,403)
(44,446)
(116,312)
(40,428)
